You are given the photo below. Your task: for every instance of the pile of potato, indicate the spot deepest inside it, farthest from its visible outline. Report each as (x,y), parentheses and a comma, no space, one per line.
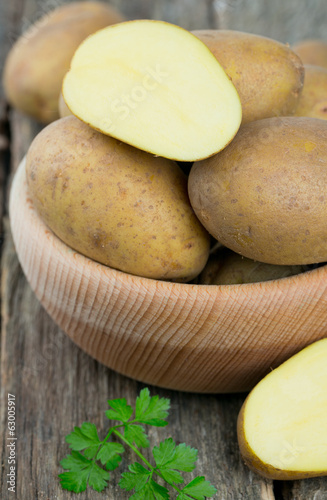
(158,208)
(188,156)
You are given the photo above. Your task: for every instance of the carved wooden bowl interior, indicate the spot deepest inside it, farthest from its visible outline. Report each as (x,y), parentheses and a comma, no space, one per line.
(186,337)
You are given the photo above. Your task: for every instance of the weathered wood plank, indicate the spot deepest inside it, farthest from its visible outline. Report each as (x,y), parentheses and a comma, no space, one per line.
(10,21)
(56,385)
(287,21)
(9,25)
(310,489)
(186,13)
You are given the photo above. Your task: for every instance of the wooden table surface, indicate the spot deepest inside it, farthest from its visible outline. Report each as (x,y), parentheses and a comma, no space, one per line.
(56,385)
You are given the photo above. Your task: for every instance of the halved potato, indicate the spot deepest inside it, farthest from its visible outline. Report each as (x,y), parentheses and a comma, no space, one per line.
(282,426)
(155,86)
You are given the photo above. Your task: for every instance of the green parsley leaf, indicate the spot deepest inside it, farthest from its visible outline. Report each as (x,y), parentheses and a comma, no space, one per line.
(121,410)
(151,410)
(114,462)
(81,473)
(74,480)
(198,489)
(141,495)
(75,461)
(136,478)
(182,496)
(98,477)
(109,455)
(159,492)
(136,434)
(172,476)
(84,437)
(83,469)
(164,453)
(168,456)
(184,459)
(151,491)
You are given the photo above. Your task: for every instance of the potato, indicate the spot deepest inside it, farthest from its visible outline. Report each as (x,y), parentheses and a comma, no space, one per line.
(264,196)
(229,268)
(267,74)
(115,204)
(312,51)
(282,429)
(155,86)
(313,101)
(35,66)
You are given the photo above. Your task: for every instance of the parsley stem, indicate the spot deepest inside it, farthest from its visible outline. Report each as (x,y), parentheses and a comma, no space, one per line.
(138,453)
(111,430)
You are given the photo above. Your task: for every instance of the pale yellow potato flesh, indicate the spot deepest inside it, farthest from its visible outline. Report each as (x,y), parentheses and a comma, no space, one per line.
(155,86)
(282,426)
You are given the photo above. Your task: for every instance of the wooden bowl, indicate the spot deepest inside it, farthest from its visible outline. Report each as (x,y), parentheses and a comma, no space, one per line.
(186,337)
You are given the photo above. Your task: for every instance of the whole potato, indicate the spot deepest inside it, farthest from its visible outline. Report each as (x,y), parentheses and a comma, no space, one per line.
(265,195)
(313,101)
(115,204)
(267,74)
(38,61)
(312,51)
(229,268)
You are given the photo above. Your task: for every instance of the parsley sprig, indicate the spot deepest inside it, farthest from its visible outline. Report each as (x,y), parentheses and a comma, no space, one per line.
(92,460)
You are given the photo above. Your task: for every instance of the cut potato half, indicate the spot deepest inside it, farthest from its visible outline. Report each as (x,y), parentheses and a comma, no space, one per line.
(282,426)
(155,86)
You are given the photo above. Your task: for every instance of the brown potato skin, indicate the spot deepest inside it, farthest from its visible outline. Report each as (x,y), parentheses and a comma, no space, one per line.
(255,464)
(313,100)
(38,61)
(115,204)
(267,74)
(312,51)
(229,268)
(264,196)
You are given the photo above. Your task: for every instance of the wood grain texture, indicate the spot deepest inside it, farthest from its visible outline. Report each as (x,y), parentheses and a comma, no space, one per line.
(286,21)
(185,13)
(57,385)
(180,336)
(300,490)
